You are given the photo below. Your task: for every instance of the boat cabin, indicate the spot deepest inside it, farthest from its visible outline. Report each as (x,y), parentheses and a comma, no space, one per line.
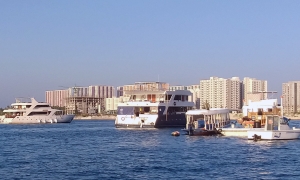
(208,120)
(259,111)
(276,123)
(151,102)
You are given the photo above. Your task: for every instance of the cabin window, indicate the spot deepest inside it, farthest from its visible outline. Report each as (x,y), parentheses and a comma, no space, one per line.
(146,109)
(168,97)
(177,97)
(38,113)
(125,110)
(270,110)
(138,111)
(174,110)
(260,111)
(134,97)
(57,113)
(38,106)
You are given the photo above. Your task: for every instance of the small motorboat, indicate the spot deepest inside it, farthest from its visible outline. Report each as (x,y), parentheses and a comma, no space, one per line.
(276,129)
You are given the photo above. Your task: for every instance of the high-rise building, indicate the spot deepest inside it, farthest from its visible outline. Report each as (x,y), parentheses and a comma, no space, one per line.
(145,86)
(57,97)
(111,104)
(195,90)
(254,90)
(119,91)
(291,97)
(221,93)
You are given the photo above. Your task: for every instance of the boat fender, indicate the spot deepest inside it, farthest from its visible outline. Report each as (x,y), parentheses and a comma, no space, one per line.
(219,130)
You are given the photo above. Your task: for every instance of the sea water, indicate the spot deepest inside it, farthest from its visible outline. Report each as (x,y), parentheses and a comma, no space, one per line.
(95,149)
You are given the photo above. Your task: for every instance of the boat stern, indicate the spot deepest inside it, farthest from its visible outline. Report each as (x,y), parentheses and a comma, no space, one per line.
(66,118)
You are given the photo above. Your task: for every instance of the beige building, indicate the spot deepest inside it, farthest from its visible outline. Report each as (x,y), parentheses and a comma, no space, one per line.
(111,104)
(57,97)
(221,93)
(195,90)
(253,90)
(291,97)
(145,86)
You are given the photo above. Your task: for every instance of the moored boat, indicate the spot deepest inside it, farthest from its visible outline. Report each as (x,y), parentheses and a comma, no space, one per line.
(154,107)
(206,122)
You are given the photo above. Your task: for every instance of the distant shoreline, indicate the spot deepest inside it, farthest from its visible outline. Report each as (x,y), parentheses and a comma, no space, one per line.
(95,118)
(112,117)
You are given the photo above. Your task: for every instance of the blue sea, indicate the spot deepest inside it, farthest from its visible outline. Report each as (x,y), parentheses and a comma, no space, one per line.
(95,149)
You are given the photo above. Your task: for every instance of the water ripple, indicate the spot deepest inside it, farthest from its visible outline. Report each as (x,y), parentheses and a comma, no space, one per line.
(97,150)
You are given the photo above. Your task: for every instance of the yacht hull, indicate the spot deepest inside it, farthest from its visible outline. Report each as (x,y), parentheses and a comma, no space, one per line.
(151,121)
(38,119)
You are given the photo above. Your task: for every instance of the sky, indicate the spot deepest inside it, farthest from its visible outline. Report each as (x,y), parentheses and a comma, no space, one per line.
(48,45)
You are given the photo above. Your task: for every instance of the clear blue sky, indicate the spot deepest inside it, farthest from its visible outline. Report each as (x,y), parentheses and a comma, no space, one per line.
(48,44)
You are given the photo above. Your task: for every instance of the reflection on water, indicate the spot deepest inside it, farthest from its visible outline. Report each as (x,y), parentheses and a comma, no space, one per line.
(97,150)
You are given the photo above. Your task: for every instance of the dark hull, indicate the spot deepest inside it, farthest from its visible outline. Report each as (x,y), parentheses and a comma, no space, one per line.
(175,120)
(202,132)
(205,133)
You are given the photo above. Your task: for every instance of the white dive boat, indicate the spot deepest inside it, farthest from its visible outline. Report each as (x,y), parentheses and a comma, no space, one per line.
(236,129)
(275,129)
(255,114)
(33,112)
(154,109)
(205,122)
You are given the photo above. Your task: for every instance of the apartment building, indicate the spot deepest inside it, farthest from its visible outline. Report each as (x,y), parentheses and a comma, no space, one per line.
(57,97)
(253,90)
(119,91)
(111,105)
(80,99)
(145,86)
(291,97)
(221,92)
(195,90)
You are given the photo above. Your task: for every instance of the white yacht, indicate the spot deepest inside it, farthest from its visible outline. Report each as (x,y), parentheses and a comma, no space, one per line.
(154,109)
(33,112)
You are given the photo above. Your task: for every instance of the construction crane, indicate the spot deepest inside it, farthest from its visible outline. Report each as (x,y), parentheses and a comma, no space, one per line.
(263,92)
